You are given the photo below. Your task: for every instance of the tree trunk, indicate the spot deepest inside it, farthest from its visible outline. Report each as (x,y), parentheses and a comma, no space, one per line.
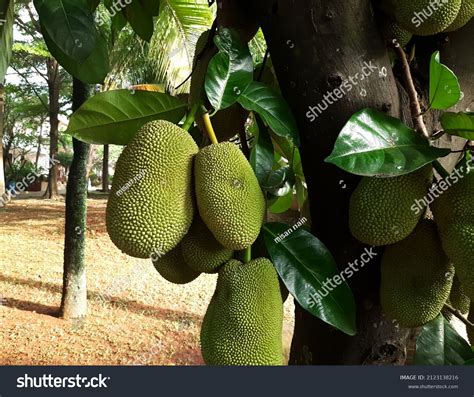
(54,84)
(105,169)
(2,169)
(74,299)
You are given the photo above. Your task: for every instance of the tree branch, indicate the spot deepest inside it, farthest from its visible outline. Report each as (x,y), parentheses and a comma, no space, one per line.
(458,314)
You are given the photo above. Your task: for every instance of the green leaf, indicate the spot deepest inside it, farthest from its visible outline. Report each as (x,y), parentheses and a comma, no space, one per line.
(374,144)
(469,362)
(230,71)
(444,85)
(140,20)
(304,264)
(6,36)
(440,344)
(301,192)
(281,204)
(262,154)
(275,178)
(272,108)
(92,71)
(113,117)
(70,25)
(93,4)
(152,7)
(460,124)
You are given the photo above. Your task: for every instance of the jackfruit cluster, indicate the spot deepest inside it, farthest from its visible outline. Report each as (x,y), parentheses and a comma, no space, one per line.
(380,210)
(243,323)
(454,215)
(416,277)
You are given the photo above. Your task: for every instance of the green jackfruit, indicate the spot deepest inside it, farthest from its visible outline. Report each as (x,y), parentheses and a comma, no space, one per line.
(392,30)
(457,298)
(426,17)
(380,210)
(416,277)
(173,268)
(151,205)
(201,251)
(464,16)
(454,215)
(243,323)
(229,198)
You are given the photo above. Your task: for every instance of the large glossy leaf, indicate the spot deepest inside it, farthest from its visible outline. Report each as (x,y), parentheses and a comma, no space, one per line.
(262,154)
(113,117)
(374,144)
(230,71)
(272,108)
(444,85)
(151,6)
(140,19)
(281,204)
(304,264)
(6,36)
(92,71)
(70,25)
(460,124)
(440,344)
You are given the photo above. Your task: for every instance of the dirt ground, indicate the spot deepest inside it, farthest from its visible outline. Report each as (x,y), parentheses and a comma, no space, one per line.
(134,316)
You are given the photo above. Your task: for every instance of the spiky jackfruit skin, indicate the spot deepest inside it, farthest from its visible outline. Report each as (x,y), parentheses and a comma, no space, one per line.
(426,17)
(173,268)
(243,323)
(380,210)
(457,298)
(229,198)
(465,14)
(201,251)
(392,30)
(151,204)
(416,277)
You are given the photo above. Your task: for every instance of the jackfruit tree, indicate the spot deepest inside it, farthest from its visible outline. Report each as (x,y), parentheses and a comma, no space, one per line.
(352,120)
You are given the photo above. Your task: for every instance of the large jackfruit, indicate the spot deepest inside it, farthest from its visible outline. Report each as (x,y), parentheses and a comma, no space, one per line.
(416,277)
(426,17)
(173,268)
(229,198)
(151,205)
(243,323)
(380,210)
(454,214)
(465,14)
(457,298)
(201,251)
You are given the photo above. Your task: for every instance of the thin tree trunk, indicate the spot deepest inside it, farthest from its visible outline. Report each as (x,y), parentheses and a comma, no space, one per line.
(2,170)
(54,84)
(38,147)
(105,169)
(74,298)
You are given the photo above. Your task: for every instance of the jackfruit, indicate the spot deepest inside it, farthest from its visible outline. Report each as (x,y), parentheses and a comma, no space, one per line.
(416,277)
(201,251)
(454,215)
(457,298)
(465,14)
(173,268)
(243,323)
(151,204)
(392,30)
(426,17)
(229,198)
(380,210)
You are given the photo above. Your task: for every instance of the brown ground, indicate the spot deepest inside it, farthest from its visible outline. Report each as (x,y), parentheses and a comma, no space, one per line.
(135,316)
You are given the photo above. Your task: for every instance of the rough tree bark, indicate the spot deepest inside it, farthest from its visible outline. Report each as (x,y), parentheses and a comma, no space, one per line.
(315,46)
(54,85)
(2,170)
(74,298)
(105,169)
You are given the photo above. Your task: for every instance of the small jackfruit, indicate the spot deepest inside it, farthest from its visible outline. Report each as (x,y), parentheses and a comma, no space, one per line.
(416,277)
(465,14)
(457,298)
(151,204)
(380,210)
(173,268)
(392,30)
(201,251)
(243,323)
(229,198)
(426,17)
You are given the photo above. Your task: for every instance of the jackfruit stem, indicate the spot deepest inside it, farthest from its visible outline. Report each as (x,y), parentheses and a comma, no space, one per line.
(190,117)
(248,254)
(458,314)
(208,126)
(440,169)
